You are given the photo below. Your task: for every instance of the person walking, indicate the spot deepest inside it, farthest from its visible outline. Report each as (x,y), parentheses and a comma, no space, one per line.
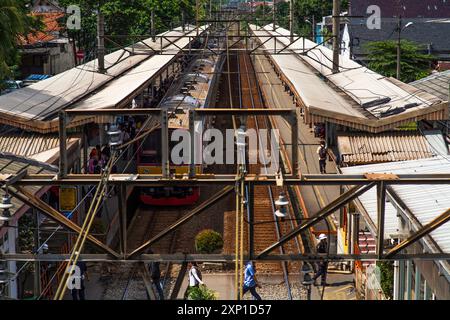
(322,152)
(195,278)
(322,247)
(250,281)
(155,274)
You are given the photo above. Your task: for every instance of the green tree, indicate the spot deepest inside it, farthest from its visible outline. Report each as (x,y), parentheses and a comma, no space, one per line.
(307,9)
(14,23)
(383,59)
(387,278)
(208,241)
(128,21)
(201,293)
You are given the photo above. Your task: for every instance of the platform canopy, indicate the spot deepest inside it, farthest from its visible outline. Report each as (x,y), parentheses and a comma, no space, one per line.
(36,107)
(355,97)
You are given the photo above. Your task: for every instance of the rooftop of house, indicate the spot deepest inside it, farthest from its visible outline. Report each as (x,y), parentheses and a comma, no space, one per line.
(406,9)
(51,30)
(437,84)
(430,33)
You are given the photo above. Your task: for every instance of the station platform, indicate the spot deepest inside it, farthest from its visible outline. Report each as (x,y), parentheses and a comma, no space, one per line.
(314,197)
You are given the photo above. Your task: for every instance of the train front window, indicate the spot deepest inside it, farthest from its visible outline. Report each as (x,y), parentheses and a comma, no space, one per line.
(151,149)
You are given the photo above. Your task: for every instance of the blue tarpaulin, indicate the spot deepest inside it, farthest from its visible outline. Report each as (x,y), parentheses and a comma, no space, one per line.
(37,77)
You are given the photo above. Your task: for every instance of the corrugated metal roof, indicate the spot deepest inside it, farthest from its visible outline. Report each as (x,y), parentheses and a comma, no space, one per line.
(38,147)
(437,142)
(339,98)
(437,84)
(426,202)
(358,148)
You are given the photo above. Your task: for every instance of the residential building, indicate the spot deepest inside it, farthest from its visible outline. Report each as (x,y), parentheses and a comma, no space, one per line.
(429,28)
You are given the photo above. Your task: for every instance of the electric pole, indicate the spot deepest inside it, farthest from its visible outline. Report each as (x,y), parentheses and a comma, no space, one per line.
(152,25)
(101,41)
(336,34)
(196,16)
(399,47)
(264,12)
(291,19)
(274,14)
(314,28)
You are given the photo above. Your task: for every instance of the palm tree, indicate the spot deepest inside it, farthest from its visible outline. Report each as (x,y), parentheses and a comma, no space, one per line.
(12,24)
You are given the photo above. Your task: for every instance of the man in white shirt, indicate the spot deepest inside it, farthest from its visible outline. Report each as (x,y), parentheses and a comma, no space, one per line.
(195,278)
(322,152)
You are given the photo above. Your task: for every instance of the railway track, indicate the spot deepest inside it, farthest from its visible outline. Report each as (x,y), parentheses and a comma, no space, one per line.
(267,229)
(327,225)
(148,222)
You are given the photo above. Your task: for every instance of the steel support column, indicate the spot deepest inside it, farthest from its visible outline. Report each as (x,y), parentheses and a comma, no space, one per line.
(179,281)
(37,264)
(192,158)
(62,145)
(251,219)
(294,138)
(409,280)
(165,144)
(122,197)
(355,231)
(381,207)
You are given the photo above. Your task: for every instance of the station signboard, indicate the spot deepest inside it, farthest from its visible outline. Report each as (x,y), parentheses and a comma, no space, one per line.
(67,199)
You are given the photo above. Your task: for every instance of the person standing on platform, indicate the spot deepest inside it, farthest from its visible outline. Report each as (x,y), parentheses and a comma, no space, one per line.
(155,274)
(322,247)
(322,152)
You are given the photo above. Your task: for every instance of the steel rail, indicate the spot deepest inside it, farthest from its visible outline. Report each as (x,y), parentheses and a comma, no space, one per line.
(269,188)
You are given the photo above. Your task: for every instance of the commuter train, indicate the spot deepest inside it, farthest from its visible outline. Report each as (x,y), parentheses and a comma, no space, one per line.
(194,88)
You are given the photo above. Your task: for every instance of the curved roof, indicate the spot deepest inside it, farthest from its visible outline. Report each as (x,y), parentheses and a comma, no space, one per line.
(198,77)
(180,100)
(199,62)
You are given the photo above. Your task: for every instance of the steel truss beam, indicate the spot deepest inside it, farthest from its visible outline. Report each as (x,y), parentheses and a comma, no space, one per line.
(199,111)
(199,209)
(34,202)
(433,225)
(218,258)
(205,180)
(177,50)
(339,202)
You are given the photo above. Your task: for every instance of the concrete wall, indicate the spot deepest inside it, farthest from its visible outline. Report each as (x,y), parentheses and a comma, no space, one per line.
(60,59)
